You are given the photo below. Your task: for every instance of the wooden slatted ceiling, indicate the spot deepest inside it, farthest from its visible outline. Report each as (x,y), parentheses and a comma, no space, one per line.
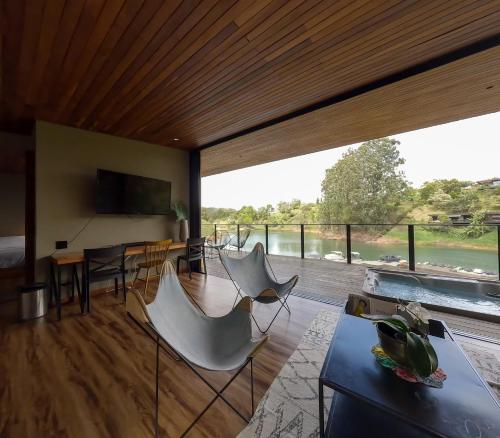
(465,88)
(200,70)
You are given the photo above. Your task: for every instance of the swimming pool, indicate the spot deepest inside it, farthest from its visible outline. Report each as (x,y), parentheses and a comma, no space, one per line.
(459,295)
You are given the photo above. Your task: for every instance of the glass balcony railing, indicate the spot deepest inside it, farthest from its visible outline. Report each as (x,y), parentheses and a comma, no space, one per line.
(465,249)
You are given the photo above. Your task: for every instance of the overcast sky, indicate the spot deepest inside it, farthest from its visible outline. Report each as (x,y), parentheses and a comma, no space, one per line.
(467,150)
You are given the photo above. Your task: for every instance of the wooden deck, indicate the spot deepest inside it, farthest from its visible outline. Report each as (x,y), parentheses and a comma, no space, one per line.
(93,375)
(332,282)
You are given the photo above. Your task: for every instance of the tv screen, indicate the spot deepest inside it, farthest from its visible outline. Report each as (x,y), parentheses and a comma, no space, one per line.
(120,193)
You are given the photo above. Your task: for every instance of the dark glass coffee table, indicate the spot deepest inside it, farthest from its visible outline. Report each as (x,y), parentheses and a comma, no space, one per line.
(370,400)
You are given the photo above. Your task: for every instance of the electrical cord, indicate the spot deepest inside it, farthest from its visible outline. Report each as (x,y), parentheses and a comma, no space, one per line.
(77,234)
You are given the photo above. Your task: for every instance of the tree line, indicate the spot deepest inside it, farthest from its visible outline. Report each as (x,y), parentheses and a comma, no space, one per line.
(367,186)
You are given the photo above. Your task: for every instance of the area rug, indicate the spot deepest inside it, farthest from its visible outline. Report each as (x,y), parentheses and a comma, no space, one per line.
(290,406)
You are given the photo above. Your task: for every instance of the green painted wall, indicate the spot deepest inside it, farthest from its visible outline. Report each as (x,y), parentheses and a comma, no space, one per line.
(66,163)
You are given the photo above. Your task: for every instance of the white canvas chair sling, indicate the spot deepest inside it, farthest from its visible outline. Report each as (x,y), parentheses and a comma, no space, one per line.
(212,343)
(250,276)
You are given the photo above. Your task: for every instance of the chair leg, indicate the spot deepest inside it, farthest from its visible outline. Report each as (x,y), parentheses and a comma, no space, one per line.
(282,305)
(124,284)
(87,289)
(238,294)
(138,269)
(80,292)
(251,383)
(189,269)
(73,287)
(116,286)
(219,395)
(157,395)
(178,262)
(287,308)
(146,285)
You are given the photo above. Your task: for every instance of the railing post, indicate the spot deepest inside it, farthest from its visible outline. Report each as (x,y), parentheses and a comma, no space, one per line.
(267,239)
(411,247)
(215,233)
(238,234)
(498,249)
(348,242)
(301,241)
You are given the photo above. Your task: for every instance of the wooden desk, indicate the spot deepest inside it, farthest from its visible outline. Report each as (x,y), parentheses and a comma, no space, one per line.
(76,257)
(73,259)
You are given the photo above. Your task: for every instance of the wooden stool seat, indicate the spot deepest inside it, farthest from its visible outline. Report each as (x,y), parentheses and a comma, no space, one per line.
(150,264)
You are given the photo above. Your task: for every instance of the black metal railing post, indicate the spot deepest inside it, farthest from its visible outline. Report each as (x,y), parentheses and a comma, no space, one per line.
(411,247)
(348,243)
(267,239)
(498,249)
(238,235)
(215,233)
(301,241)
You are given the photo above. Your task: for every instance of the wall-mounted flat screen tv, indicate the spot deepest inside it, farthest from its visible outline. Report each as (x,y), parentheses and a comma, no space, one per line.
(121,193)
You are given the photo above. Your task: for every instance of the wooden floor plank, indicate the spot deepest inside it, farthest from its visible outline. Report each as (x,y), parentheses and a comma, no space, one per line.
(93,375)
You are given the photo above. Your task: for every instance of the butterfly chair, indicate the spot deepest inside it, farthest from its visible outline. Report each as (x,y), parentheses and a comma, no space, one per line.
(217,242)
(155,254)
(250,275)
(216,344)
(239,242)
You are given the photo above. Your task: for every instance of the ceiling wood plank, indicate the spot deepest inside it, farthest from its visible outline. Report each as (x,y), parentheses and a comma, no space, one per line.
(125,40)
(389,110)
(204,70)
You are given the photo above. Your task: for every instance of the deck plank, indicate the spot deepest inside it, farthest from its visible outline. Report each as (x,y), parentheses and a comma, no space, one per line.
(334,281)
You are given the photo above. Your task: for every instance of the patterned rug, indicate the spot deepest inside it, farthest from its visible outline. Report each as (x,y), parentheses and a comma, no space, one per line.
(290,406)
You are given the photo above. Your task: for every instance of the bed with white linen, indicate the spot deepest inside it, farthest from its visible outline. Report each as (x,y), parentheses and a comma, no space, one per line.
(12,252)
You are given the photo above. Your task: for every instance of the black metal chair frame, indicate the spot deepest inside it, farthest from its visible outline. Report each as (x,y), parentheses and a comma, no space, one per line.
(195,251)
(212,245)
(157,338)
(242,241)
(95,256)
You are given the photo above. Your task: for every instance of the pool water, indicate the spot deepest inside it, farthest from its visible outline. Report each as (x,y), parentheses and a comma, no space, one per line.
(457,295)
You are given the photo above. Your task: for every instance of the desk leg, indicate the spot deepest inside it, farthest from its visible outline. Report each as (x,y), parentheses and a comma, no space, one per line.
(52,282)
(86,287)
(58,293)
(78,289)
(321,411)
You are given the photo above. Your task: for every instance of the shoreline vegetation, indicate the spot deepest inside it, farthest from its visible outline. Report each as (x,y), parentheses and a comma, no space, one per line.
(367,186)
(396,235)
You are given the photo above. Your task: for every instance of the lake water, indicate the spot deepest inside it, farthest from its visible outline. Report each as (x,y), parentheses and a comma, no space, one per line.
(288,243)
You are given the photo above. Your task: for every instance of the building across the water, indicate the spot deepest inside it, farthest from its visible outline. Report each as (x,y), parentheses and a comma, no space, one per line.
(489,183)
(492,217)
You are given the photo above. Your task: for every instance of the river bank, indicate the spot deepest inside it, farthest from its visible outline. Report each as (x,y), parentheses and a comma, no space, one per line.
(488,242)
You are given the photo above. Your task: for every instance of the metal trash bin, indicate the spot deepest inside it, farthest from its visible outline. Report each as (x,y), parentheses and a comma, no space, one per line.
(33,301)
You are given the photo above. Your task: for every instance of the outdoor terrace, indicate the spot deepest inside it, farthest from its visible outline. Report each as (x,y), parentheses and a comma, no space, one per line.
(332,282)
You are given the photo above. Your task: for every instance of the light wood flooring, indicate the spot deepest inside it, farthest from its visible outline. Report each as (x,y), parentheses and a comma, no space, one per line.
(93,375)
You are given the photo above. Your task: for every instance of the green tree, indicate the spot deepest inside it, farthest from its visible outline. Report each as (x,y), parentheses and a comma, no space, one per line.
(246,215)
(264,213)
(452,187)
(365,185)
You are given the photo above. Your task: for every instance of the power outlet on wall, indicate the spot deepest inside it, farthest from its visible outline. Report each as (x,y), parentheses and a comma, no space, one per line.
(61,244)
